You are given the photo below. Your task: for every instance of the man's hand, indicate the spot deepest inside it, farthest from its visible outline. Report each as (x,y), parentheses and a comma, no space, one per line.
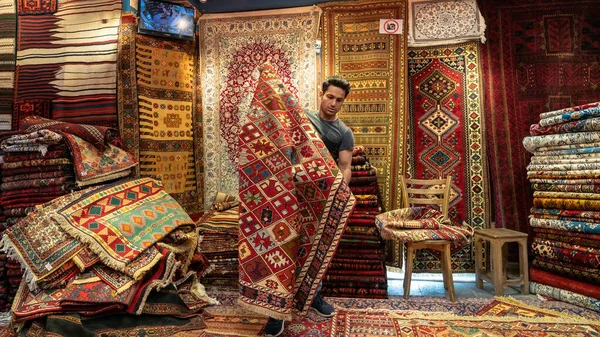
(345,164)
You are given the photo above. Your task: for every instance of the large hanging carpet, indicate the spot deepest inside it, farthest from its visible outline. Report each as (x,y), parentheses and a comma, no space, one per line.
(67,61)
(8,26)
(445,131)
(539,56)
(232,47)
(374,64)
(423,316)
(166,117)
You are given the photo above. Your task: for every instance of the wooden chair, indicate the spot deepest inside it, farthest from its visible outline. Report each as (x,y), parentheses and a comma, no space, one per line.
(417,192)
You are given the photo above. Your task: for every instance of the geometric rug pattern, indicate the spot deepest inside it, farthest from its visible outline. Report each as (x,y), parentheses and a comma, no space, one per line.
(445,136)
(413,317)
(375,65)
(166,115)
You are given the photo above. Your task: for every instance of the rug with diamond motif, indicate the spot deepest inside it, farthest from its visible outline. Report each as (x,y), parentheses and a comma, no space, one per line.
(294,203)
(121,220)
(445,131)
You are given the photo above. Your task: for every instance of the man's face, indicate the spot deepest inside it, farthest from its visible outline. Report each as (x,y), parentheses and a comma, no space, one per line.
(331,102)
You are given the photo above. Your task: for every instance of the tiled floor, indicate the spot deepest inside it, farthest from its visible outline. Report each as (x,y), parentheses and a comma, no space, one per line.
(433,285)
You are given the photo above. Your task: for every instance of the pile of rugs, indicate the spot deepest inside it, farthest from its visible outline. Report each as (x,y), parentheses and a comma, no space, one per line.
(358,269)
(565,218)
(113,259)
(45,160)
(218,229)
(35,168)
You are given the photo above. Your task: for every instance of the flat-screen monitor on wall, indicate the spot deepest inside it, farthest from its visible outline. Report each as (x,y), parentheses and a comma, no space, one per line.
(167,19)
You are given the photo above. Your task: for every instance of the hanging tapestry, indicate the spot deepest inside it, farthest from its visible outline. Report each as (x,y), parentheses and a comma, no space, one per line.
(69,66)
(374,64)
(445,131)
(444,22)
(127,105)
(165,85)
(294,203)
(232,47)
(539,56)
(8,25)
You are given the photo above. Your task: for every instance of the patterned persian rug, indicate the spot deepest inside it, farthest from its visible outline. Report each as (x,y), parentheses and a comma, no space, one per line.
(398,317)
(67,60)
(167,128)
(374,65)
(294,203)
(444,22)
(445,131)
(8,31)
(232,48)
(539,56)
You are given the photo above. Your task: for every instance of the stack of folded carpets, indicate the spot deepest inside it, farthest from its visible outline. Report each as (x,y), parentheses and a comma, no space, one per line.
(36,168)
(4,285)
(48,159)
(112,259)
(565,176)
(358,268)
(218,229)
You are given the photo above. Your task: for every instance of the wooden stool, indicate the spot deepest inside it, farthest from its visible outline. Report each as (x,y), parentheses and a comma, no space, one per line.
(441,246)
(497,237)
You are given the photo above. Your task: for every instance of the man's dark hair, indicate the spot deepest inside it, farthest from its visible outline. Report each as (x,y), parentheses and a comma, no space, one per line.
(336,81)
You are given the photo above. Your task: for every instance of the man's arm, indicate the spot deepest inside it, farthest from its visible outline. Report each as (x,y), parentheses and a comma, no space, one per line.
(345,164)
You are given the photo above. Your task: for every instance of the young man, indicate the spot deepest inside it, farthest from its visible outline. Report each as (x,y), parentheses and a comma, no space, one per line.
(339,140)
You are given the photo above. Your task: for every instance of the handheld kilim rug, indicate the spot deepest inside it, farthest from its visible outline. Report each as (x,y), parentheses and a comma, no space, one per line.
(446,130)
(294,203)
(166,82)
(67,61)
(374,64)
(8,26)
(232,48)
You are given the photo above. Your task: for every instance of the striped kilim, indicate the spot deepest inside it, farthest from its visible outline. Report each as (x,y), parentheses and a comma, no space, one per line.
(375,65)
(167,128)
(445,131)
(7,61)
(232,49)
(66,60)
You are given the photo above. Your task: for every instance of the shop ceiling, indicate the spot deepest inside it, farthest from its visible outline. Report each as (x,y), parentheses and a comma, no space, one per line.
(223,6)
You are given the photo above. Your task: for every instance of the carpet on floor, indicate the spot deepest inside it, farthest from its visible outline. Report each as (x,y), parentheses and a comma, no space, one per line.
(417,316)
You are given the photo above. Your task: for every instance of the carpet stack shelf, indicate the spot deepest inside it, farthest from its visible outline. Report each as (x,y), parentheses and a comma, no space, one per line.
(565,176)
(357,269)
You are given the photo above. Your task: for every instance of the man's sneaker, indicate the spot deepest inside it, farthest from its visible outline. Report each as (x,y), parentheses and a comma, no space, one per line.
(274,327)
(321,307)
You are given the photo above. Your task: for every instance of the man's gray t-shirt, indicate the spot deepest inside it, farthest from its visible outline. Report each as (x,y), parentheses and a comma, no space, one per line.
(335,134)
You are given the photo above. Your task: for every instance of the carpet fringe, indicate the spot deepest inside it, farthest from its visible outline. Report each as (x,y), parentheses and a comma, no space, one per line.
(560,318)
(28,277)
